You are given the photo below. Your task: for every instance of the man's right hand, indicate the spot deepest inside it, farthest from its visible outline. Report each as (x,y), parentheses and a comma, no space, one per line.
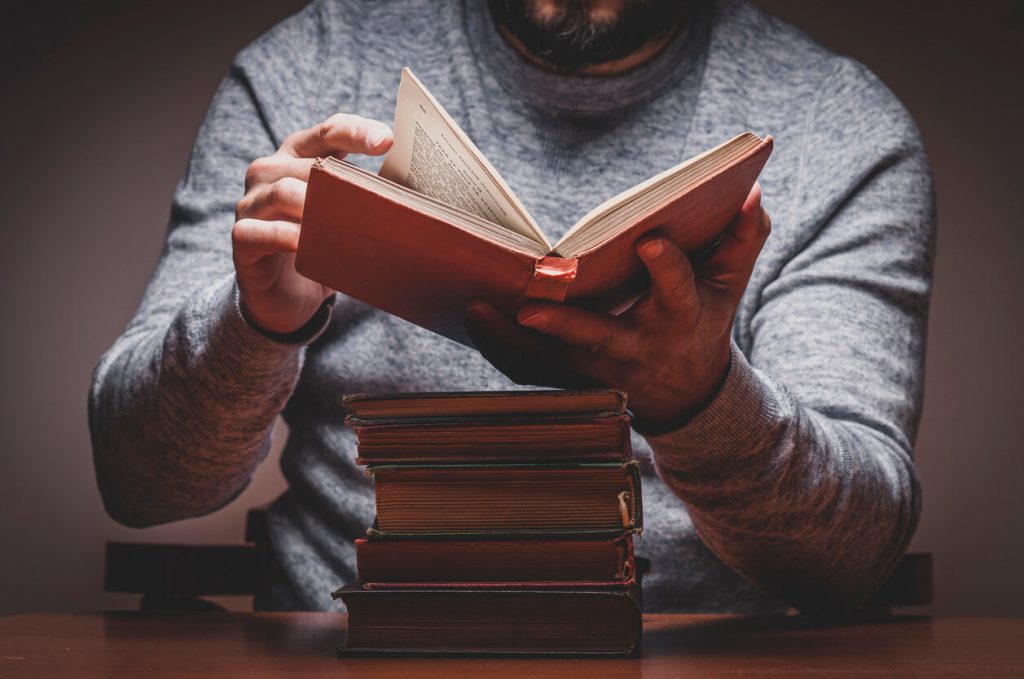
(265,237)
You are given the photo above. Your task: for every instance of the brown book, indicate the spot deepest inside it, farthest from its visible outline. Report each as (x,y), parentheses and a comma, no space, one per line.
(461,500)
(570,621)
(510,426)
(485,404)
(395,563)
(505,441)
(439,226)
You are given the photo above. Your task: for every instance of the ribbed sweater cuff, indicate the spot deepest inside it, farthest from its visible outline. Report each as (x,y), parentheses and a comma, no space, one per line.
(240,347)
(305,335)
(733,426)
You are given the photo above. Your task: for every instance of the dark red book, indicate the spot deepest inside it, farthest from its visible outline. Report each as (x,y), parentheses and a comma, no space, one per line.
(389,563)
(550,621)
(458,501)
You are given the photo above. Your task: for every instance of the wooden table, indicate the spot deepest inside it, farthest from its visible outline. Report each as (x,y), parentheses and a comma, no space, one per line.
(255,645)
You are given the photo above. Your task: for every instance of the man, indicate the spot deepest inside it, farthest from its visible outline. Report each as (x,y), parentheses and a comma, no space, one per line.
(776,395)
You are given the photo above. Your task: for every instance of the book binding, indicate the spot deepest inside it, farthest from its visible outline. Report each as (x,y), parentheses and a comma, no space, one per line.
(552,278)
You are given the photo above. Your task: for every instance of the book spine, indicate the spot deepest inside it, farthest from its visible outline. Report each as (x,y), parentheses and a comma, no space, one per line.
(552,278)
(508,534)
(631,503)
(513,441)
(524,585)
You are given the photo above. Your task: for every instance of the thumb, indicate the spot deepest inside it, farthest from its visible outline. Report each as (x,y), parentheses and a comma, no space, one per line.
(726,272)
(339,135)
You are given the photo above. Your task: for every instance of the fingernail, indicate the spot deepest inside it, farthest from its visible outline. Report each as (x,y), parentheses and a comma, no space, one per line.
(535,320)
(652,248)
(375,136)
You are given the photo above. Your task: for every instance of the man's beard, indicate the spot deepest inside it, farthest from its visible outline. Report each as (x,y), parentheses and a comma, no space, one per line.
(573,38)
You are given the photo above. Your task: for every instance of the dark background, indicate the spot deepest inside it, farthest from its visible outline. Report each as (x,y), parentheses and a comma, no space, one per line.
(100,105)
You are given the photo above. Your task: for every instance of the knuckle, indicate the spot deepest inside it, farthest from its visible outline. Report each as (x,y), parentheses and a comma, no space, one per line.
(287,190)
(259,166)
(683,282)
(687,274)
(278,192)
(292,140)
(241,232)
(268,196)
(274,232)
(336,122)
(257,171)
(679,291)
(326,127)
(678,294)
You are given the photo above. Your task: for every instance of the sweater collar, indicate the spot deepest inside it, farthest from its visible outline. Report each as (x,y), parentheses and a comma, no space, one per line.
(586,95)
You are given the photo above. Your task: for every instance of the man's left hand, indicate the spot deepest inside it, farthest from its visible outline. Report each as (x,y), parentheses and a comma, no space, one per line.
(670,351)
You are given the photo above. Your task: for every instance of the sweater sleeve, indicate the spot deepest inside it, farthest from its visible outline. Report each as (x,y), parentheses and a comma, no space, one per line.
(799,474)
(182,405)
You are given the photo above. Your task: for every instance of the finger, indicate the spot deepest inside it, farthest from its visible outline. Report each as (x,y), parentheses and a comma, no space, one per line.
(599,334)
(340,134)
(271,168)
(728,270)
(520,354)
(284,199)
(253,239)
(672,279)
(494,328)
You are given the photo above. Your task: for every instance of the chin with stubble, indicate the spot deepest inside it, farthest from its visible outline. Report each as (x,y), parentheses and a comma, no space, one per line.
(577,35)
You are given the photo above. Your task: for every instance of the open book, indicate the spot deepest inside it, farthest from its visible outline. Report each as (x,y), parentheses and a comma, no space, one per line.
(439,226)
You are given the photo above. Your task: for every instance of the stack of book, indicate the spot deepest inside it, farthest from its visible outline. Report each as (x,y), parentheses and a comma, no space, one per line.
(505,524)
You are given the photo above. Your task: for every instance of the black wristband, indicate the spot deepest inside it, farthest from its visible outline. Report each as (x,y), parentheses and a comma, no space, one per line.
(307,332)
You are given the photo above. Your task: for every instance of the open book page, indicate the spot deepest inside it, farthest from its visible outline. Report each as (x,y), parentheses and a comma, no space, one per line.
(623,209)
(433,156)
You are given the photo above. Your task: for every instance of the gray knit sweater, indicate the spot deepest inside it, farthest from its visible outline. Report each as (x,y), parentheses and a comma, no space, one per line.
(794,486)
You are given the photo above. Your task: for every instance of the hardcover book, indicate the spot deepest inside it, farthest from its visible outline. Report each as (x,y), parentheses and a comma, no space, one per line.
(423,620)
(574,499)
(439,226)
(505,441)
(486,404)
(395,563)
(490,427)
